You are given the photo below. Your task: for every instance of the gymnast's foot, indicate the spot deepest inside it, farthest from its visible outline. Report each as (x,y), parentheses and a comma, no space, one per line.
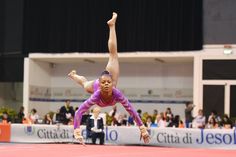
(112,21)
(72,74)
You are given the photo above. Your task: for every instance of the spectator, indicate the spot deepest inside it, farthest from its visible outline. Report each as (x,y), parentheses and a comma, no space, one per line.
(188,114)
(48,119)
(114,115)
(168,113)
(226,122)
(95,127)
(33,117)
(85,118)
(149,123)
(57,117)
(67,112)
(175,122)
(5,118)
(125,120)
(130,121)
(21,115)
(71,122)
(155,113)
(168,121)
(120,121)
(26,121)
(160,121)
(144,117)
(215,116)
(199,120)
(181,124)
(212,123)
(139,113)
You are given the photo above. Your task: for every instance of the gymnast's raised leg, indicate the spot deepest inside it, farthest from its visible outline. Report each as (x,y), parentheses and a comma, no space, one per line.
(112,65)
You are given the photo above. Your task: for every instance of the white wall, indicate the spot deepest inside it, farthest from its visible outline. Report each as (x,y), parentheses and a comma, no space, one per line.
(39,75)
(145,75)
(134,77)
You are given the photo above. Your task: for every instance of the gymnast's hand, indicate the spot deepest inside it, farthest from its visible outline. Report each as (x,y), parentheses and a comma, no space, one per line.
(144,134)
(78,136)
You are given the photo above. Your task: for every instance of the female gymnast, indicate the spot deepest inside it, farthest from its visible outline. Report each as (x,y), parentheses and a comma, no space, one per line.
(103,90)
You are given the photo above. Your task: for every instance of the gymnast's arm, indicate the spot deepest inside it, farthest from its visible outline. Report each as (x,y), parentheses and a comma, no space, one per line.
(129,108)
(82,109)
(125,102)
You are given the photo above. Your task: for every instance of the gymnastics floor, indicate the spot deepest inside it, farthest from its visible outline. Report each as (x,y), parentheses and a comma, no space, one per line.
(77,150)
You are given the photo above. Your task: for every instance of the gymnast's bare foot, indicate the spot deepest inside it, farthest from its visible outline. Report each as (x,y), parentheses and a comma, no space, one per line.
(72,74)
(112,21)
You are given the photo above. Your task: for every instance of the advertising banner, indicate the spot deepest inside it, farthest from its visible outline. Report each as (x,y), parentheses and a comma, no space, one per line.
(5,132)
(169,137)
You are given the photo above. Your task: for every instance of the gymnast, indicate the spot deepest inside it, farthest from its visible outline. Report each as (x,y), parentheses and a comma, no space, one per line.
(103,90)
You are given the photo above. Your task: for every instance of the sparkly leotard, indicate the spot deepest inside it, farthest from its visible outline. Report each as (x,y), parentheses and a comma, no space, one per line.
(95,98)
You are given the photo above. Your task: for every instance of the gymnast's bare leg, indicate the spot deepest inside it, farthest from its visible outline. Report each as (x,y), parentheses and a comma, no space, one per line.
(81,80)
(113,63)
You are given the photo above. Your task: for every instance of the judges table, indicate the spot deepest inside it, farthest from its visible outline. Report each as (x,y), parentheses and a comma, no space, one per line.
(122,135)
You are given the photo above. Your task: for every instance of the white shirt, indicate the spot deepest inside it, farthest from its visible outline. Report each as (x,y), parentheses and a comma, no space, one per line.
(95,121)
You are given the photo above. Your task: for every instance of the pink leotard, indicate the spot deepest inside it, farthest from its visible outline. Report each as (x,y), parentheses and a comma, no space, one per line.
(95,98)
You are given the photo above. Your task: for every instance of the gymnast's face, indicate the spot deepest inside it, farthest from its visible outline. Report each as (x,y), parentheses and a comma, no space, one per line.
(105,82)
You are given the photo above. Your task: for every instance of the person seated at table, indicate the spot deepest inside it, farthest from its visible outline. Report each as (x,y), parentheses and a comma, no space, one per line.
(95,127)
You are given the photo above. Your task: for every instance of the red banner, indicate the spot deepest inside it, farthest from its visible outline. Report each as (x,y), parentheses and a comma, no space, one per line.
(5,132)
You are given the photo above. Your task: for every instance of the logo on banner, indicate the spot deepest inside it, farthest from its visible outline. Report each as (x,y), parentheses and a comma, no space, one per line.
(29,130)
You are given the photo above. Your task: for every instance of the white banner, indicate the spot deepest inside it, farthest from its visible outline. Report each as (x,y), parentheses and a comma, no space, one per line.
(170,137)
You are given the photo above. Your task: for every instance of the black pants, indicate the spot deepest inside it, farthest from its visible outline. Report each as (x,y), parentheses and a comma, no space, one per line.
(99,135)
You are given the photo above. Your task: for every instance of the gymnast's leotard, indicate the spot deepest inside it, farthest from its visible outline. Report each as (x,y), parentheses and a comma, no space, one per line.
(95,98)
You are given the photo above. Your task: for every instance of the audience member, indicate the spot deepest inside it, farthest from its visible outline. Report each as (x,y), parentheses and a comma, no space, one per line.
(226,122)
(57,117)
(199,120)
(85,117)
(215,116)
(95,126)
(5,118)
(168,113)
(155,113)
(149,123)
(120,121)
(48,119)
(188,114)
(33,116)
(181,124)
(160,121)
(212,123)
(21,115)
(130,121)
(139,113)
(114,115)
(67,112)
(175,122)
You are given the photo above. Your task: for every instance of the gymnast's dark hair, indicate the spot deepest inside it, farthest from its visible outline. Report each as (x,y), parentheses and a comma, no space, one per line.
(105,72)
